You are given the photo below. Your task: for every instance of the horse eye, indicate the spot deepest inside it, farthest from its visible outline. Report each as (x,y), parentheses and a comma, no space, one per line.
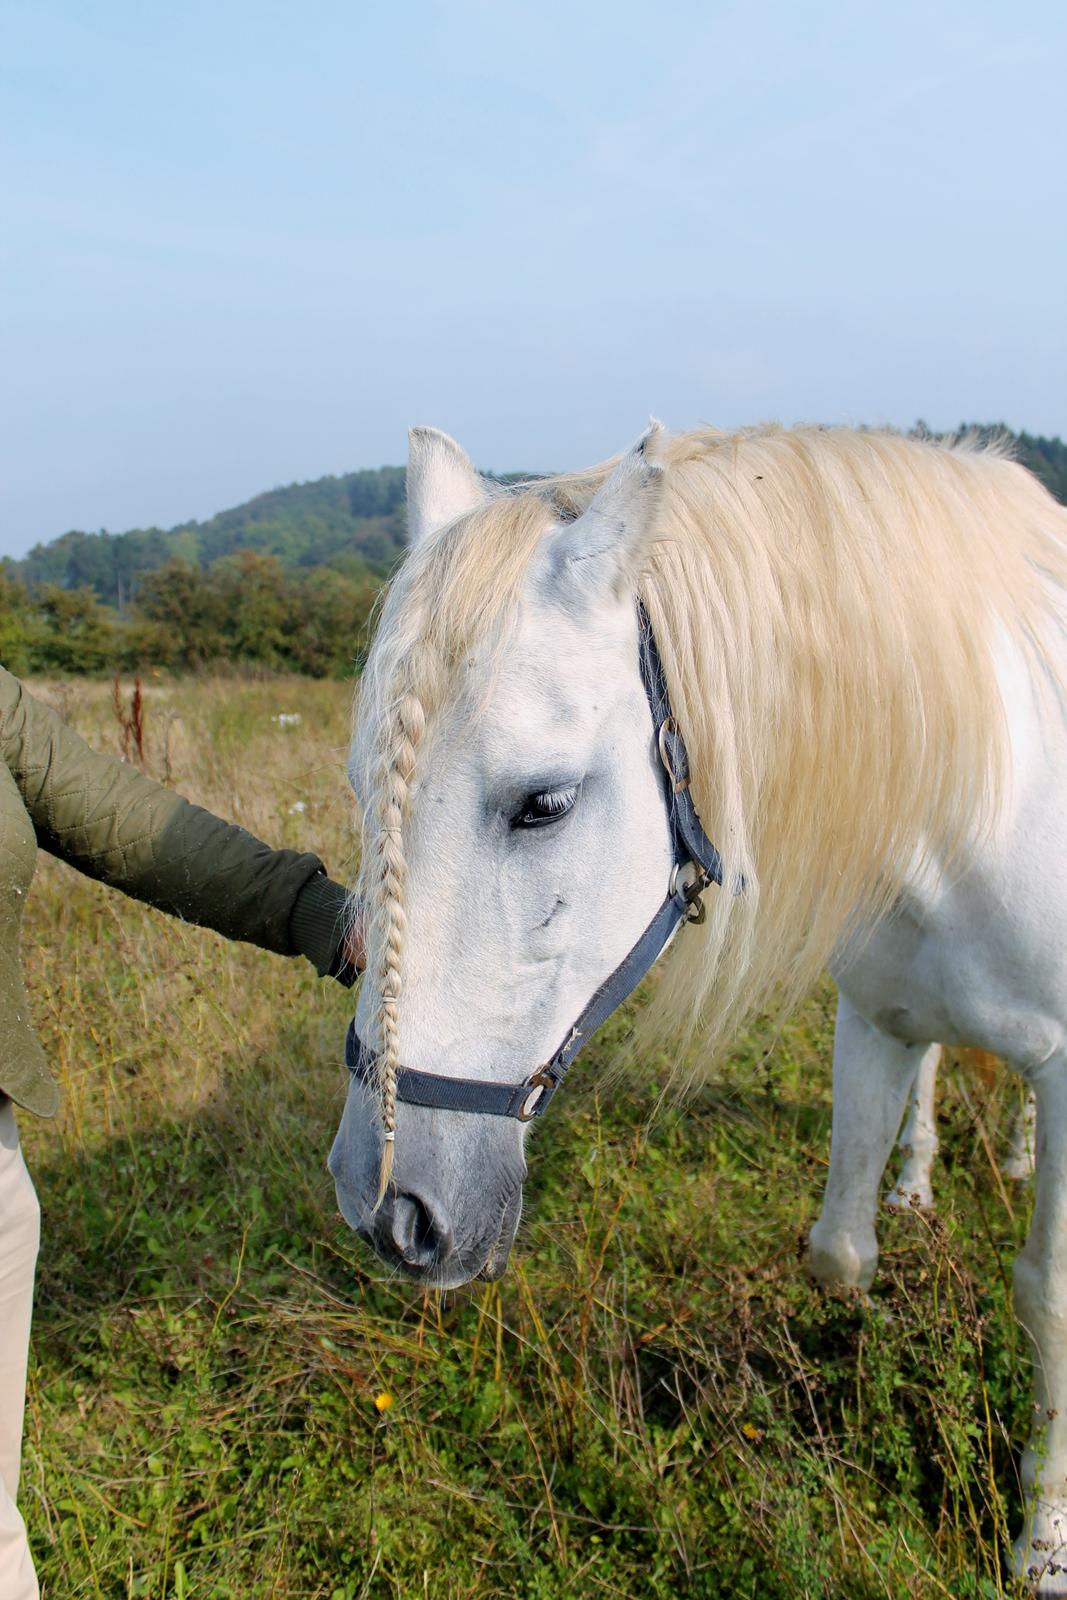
(538,810)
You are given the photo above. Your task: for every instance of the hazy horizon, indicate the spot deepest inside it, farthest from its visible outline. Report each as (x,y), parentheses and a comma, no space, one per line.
(248,247)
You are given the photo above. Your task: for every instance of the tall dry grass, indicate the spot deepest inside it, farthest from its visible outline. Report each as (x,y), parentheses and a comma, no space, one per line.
(229,1398)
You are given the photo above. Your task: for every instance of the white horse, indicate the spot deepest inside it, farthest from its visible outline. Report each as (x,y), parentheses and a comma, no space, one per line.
(891,809)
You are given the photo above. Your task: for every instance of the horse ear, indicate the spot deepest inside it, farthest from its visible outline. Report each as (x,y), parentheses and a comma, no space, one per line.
(602,548)
(442,483)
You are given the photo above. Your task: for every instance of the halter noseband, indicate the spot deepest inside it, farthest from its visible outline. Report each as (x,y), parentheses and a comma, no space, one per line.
(697,864)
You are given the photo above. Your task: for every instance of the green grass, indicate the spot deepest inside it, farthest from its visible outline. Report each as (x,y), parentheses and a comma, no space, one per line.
(654,1401)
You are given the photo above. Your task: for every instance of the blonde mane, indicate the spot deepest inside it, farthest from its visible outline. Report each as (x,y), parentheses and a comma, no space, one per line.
(829,606)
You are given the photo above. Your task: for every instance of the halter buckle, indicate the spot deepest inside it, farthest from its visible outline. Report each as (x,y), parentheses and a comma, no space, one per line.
(668,729)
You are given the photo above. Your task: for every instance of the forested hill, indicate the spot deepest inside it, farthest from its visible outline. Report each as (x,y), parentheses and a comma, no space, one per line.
(353,524)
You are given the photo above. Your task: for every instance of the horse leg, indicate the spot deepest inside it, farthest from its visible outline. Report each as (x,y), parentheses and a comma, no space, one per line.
(1041,1306)
(918,1139)
(1019,1161)
(873,1075)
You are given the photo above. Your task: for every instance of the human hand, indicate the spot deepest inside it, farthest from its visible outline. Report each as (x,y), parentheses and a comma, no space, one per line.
(355,945)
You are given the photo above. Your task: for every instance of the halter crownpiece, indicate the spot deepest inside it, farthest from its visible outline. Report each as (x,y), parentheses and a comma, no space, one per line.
(697,864)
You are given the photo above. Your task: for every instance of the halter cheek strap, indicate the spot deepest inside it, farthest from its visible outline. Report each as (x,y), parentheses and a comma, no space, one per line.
(697,864)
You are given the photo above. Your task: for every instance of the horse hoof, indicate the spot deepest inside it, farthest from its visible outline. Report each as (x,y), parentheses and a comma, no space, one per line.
(901,1198)
(838,1261)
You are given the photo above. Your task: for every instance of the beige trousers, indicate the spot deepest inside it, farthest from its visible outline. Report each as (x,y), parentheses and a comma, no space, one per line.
(20,1232)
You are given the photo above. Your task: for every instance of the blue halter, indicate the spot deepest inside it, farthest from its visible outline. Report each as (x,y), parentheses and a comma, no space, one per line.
(697,864)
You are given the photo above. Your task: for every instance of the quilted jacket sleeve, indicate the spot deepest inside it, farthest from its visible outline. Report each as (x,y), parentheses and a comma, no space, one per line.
(113,823)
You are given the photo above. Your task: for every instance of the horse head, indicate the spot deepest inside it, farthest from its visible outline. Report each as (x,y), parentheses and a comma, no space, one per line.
(516,841)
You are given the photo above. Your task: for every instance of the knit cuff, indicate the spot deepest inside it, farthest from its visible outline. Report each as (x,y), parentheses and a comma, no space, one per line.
(318,925)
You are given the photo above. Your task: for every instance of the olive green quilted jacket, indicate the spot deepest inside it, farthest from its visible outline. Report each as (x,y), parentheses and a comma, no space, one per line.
(111,822)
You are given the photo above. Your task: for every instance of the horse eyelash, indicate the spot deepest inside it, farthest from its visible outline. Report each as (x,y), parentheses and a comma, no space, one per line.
(554,803)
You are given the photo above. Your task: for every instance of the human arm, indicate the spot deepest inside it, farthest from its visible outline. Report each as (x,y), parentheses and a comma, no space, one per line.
(113,823)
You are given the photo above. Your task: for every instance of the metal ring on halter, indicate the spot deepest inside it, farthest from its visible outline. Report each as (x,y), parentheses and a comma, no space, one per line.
(692,891)
(537,1084)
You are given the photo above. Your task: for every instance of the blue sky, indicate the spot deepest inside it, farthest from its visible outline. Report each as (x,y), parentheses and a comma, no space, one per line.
(249,244)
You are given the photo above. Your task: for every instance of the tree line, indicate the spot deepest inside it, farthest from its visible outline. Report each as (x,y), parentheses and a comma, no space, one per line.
(245,610)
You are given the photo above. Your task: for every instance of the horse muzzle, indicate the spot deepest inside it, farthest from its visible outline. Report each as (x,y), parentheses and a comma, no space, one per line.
(414,1233)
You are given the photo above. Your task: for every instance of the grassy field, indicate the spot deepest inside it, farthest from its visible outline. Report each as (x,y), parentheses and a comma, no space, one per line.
(653,1402)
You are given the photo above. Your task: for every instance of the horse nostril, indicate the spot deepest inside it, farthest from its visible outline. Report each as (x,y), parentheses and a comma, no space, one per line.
(422,1238)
